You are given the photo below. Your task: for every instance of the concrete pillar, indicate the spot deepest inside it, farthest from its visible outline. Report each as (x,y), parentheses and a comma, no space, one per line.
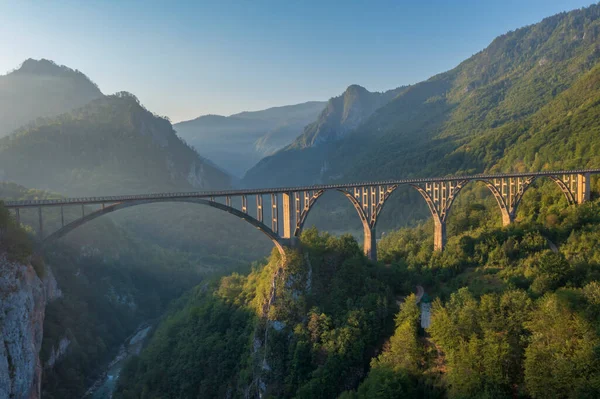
(439,234)
(274,214)
(288,210)
(583,187)
(41,221)
(370,243)
(507,218)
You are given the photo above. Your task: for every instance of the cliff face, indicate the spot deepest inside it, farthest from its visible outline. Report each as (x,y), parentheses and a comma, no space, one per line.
(23,297)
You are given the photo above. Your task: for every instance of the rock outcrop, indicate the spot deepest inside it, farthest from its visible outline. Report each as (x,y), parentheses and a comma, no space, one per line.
(23,298)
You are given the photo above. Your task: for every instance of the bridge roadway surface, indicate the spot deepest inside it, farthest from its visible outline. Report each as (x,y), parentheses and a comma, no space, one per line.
(225,193)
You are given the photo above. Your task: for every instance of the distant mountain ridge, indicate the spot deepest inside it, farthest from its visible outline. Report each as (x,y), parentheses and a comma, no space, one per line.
(342,115)
(238,141)
(41,89)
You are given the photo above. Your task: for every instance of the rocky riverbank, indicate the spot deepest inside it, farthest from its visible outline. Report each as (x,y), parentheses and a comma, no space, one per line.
(104,386)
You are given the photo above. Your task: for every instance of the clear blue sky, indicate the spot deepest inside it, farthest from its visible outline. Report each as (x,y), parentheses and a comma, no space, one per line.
(187,58)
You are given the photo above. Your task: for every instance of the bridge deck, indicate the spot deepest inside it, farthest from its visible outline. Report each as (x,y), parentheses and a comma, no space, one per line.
(275,190)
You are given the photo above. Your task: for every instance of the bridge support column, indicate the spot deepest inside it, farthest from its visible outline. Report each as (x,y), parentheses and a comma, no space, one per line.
(583,187)
(288,237)
(370,243)
(41,222)
(507,218)
(288,210)
(439,234)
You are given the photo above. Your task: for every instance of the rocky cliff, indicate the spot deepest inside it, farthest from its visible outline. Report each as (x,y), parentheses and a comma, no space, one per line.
(23,298)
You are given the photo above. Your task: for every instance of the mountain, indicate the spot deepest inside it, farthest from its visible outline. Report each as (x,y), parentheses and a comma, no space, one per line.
(504,100)
(41,89)
(308,152)
(238,141)
(112,145)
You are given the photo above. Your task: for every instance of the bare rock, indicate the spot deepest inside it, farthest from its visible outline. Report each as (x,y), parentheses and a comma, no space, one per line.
(22,306)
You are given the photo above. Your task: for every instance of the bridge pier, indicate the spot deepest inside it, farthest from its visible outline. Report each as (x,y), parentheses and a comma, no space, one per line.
(439,234)
(583,187)
(370,243)
(507,218)
(288,210)
(41,223)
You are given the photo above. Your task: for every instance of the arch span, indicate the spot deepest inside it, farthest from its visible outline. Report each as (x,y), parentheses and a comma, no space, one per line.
(570,196)
(369,245)
(370,238)
(122,205)
(304,214)
(507,218)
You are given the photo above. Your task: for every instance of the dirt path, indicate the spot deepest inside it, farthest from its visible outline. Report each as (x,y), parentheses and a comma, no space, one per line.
(419,295)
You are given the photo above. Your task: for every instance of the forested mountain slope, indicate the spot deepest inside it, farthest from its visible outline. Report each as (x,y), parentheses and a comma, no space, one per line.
(287,329)
(467,119)
(40,88)
(112,145)
(306,158)
(238,141)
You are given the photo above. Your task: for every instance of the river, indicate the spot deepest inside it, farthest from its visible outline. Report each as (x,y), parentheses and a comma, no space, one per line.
(103,388)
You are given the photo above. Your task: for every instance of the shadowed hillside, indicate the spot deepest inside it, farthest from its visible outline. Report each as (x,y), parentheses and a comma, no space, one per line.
(112,145)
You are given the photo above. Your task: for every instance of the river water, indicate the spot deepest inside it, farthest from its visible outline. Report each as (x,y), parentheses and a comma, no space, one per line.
(103,388)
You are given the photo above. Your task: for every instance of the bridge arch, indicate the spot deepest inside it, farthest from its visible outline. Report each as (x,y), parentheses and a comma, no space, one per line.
(507,218)
(304,214)
(440,208)
(569,195)
(369,231)
(122,205)
(370,238)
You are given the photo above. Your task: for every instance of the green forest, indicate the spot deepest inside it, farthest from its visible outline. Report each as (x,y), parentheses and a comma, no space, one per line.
(514,313)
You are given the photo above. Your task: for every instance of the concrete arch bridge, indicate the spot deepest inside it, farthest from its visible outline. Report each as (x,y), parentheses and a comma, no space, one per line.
(288,207)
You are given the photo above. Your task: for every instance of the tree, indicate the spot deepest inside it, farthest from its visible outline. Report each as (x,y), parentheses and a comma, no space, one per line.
(561,360)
